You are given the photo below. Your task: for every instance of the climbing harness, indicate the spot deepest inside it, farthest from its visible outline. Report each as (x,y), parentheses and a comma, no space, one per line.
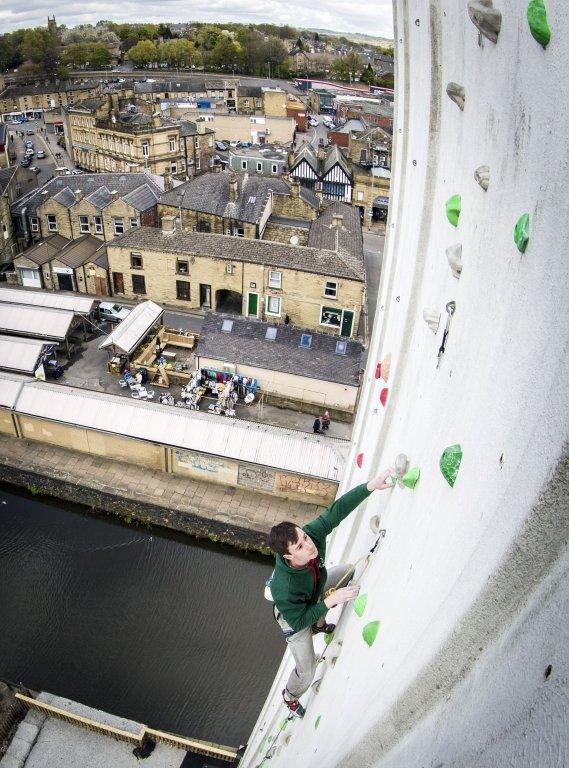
(365,559)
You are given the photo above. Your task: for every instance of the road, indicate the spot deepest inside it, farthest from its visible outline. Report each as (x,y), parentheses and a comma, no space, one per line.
(373,256)
(41,140)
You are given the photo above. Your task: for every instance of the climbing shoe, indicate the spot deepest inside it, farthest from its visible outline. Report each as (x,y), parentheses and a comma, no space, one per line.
(327,629)
(294,705)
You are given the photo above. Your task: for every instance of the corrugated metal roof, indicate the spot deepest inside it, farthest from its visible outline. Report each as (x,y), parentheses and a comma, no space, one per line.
(35,321)
(79,304)
(18,354)
(262,444)
(130,331)
(10,385)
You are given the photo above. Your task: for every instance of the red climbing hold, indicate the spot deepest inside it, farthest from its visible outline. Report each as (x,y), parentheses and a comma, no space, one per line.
(383,396)
(378,371)
(360,459)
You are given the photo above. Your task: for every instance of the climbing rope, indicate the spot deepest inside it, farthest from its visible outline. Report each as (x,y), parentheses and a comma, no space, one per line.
(365,559)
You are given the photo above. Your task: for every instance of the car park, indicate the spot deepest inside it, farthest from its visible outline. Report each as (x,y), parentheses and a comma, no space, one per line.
(40,153)
(114,313)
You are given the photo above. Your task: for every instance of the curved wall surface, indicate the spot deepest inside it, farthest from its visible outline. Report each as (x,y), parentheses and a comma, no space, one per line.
(470,583)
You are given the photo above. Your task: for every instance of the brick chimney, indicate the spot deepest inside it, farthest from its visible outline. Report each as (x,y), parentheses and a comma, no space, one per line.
(168,225)
(78,195)
(232,187)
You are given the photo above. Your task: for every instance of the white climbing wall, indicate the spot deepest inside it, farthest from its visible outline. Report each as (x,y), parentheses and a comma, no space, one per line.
(470,583)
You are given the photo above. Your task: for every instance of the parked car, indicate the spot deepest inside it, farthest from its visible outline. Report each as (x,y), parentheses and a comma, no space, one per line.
(34,169)
(30,132)
(29,143)
(29,152)
(26,162)
(40,153)
(221,145)
(114,313)
(246,144)
(313,121)
(235,143)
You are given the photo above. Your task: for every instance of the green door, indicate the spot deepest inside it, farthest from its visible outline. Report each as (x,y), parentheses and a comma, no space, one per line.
(253,305)
(347,322)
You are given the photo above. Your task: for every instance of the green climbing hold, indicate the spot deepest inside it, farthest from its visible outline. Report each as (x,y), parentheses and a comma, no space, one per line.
(284,724)
(521,232)
(317,722)
(328,637)
(453,209)
(369,632)
(360,604)
(537,20)
(450,463)
(411,478)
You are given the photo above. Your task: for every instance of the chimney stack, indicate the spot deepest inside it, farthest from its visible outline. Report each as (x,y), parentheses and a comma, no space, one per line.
(114,194)
(168,183)
(337,221)
(295,189)
(232,187)
(78,195)
(217,167)
(201,126)
(168,225)
(44,195)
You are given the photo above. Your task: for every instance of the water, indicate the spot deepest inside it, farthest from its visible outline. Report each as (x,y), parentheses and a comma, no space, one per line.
(155,627)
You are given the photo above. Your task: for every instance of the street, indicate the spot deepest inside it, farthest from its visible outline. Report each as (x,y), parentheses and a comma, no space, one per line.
(373,256)
(47,142)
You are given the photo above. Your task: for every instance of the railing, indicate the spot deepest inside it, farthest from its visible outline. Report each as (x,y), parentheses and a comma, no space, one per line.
(190,745)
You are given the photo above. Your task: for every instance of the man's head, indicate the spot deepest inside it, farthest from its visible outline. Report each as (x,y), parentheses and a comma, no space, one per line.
(290,541)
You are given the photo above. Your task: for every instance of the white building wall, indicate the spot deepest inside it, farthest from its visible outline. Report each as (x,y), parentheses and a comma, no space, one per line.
(470,583)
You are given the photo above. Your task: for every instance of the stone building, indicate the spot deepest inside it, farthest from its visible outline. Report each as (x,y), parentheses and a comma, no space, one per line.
(250,100)
(312,287)
(267,160)
(195,89)
(15,182)
(109,135)
(33,100)
(103,205)
(325,170)
(239,204)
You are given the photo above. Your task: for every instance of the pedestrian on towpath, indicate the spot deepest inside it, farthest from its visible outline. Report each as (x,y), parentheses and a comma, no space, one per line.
(300,581)
(325,420)
(316,426)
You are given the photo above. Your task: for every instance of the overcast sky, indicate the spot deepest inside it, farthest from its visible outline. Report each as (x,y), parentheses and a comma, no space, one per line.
(372,17)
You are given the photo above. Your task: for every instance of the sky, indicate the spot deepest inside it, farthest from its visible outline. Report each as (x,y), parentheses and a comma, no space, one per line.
(372,17)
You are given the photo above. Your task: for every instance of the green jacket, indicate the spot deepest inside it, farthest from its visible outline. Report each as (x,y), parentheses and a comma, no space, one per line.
(293,588)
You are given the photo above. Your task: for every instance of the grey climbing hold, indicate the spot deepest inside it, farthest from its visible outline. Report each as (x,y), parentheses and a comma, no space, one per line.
(374,524)
(485,18)
(432,318)
(401,464)
(457,94)
(454,257)
(482,176)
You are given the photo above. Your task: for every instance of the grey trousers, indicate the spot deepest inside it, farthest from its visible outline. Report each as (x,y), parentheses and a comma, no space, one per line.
(302,647)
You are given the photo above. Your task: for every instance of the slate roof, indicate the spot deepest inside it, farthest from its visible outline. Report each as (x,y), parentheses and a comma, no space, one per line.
(286,222)
(88,183)
(308,153)
(80,251)
(6,176)
(189,128)
(320,167)
(348,240)
(246,344)
(226,247)
(65,197)
(209,193)
(37,88)
(46,250)
(252,91)
(142,198)
(333,157)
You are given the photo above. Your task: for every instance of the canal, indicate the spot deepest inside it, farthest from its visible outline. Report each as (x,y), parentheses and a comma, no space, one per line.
(139,622)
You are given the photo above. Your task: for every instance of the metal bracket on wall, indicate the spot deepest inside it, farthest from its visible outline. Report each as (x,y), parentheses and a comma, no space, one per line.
(450,308)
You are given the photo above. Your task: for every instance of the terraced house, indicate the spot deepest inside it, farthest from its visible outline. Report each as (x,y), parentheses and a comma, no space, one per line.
(100,204)
(319,286)
(33,100)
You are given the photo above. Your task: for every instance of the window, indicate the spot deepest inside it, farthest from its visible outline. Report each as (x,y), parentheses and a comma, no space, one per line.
(52,222)
(363,156)
(306,340)
(243,165)
(182,290)
(273,305)
(138,284)
(34,223)
(145,149)
(84,225)
(360,196)
(274,168)
(275,279)
(172,143)
(341,347)
(245,102)
(198,164)
(239,231)
(229,269)
(210,141)
(119,225)
(182,267)
(98,224)
(197,142)
(227,326)
(331,290)
(173,168)
(259,167)
(331,316)
(134,222)
(136,261)
(271,333)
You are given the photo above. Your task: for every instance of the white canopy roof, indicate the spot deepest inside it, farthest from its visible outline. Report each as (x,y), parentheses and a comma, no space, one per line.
(10,385)
(130,332)
(285,449)
(78,304)
(18,354)
(35,321)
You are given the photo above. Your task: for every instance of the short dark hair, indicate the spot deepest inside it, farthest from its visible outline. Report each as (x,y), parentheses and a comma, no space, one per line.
(281,536)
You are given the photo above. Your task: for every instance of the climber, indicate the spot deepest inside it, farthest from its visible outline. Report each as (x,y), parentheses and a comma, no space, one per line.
(300,579)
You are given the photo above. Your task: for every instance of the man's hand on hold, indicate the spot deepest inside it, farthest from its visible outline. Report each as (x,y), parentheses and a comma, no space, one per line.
(342,595)
(380,483)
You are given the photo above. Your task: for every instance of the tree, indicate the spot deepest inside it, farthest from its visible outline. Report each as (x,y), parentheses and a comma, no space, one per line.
(208,37)
(354,62)
(368,75)
(76,54)
(100,56)
(164,32)
(225,54)
(340,70)
(10,57)
(41,47)
(143,53)
(178,53)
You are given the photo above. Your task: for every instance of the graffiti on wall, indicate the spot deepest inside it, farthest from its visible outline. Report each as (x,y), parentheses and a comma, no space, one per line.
(256,477)
(199,462)
(309,485)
